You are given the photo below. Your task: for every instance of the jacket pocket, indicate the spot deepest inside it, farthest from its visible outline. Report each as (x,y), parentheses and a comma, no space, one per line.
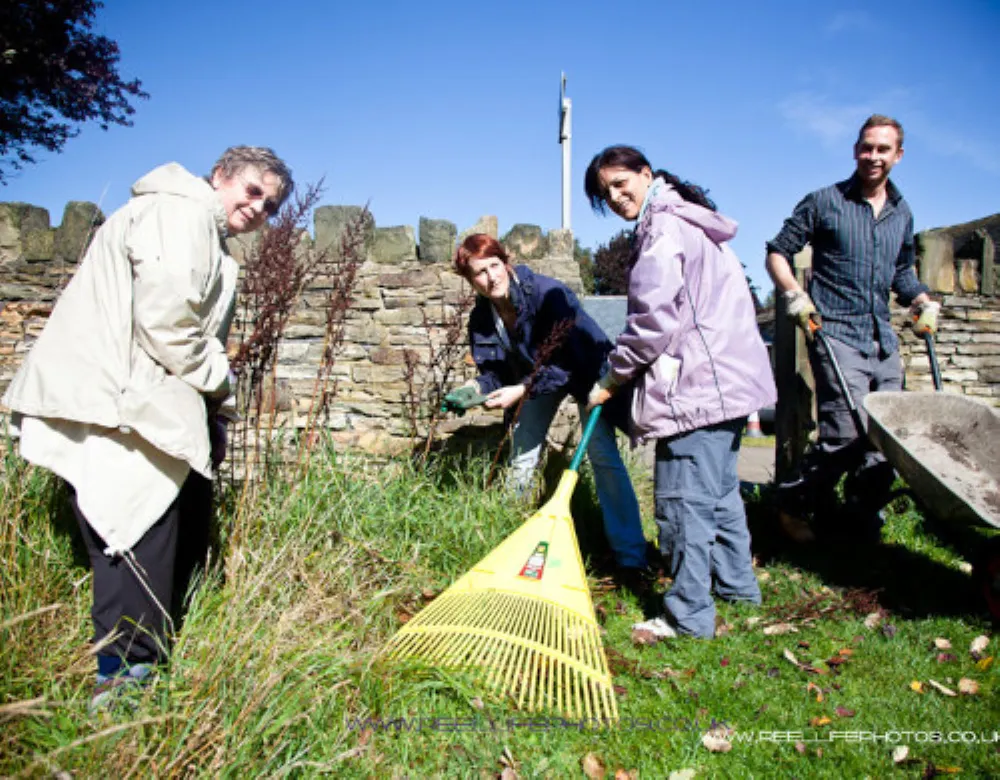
(650,403)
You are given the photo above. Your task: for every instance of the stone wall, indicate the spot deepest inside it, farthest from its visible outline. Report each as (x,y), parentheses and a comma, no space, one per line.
(406,294)
(958,263)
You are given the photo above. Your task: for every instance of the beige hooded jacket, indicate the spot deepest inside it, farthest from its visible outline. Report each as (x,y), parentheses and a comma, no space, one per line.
(112,395)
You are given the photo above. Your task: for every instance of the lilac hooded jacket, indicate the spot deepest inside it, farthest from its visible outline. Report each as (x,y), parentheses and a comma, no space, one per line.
(691,342)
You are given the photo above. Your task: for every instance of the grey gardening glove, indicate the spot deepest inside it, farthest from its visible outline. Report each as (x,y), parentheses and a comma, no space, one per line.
(462,398)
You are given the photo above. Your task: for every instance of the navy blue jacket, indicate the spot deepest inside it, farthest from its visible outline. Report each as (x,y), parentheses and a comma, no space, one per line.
(541,303)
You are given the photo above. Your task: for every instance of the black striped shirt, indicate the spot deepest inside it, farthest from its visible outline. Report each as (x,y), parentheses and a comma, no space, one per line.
(857,259)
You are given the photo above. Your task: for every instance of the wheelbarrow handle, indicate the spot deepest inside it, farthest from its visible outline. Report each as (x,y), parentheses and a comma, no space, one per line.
(816,328)
(932,357)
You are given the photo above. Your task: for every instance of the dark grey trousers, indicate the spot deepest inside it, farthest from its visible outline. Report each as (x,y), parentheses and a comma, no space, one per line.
(166,557)
(842,448)
(703,524)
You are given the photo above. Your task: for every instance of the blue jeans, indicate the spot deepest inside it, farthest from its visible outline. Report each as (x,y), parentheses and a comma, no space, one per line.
(703,525)
(622,522)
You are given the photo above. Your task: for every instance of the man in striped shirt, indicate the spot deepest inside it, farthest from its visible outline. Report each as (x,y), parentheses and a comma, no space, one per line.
(861,232)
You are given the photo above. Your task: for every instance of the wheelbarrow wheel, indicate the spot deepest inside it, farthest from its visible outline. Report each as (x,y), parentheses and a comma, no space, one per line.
(986,572)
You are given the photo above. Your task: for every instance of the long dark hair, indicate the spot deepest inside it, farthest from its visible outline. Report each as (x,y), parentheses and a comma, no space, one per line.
(632,159)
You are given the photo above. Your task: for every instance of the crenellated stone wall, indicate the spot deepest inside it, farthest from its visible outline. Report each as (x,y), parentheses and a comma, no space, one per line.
(406,295)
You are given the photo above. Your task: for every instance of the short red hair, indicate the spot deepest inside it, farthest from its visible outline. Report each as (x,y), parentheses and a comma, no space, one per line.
(476,247)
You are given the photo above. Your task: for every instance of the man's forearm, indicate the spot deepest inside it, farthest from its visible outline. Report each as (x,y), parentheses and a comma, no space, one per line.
(781,273)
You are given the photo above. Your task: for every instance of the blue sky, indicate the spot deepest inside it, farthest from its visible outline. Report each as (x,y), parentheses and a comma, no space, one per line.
(449,109)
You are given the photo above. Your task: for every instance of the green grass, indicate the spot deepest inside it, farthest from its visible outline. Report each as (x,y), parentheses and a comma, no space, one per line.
(276,671)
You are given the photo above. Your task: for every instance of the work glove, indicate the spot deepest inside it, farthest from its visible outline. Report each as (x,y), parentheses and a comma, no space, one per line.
(462,398)
(602,391)
(800,309)
(925,317)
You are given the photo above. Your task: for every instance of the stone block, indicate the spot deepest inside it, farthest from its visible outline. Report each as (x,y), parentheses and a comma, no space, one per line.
(411,316)
(395,245)
(330,222)
(79,223)
(936,263)
(526,242)
(980,347)
(437,240)
(364,332)
(485,224)
(968,275)
(561,244)
(409,280)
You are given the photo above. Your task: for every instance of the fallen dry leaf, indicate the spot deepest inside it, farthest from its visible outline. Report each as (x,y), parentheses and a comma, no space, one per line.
(428,594)
(764,576)
(642,637)
(800,748)
(815,687)
(843,712)
(917,686)
(477,703)
(715,740)
(942,644)
(846,652)
(984,663)
(968,687)
(507,759)
(724,661)
(978,647)
(822,720)
(943,658)
(873,620)
(681,774)
(938,686)
(794,576)
(752,621)
(944,770)
(900,753)
(403,616)
(508,774)
(621,774)
(888,631)
(790,656)
(780,628)
(593,767)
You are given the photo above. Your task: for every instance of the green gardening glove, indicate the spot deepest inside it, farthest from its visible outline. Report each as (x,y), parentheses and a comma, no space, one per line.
(462,398)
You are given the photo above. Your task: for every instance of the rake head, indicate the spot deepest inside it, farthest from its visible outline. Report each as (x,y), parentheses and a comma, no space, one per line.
(523,618)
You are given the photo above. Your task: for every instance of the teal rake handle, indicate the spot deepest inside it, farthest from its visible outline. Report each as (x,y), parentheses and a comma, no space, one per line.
(581,448)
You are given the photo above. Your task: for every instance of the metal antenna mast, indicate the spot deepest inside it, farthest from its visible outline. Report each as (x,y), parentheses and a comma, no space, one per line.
(565,134)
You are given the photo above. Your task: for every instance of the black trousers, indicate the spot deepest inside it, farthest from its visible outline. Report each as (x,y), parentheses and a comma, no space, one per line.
(166,558)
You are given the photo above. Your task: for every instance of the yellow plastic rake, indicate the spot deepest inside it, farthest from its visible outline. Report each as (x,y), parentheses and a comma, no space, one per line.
(523,617)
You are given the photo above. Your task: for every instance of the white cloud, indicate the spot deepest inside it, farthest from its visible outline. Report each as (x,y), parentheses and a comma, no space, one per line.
(833,124)
(836,125)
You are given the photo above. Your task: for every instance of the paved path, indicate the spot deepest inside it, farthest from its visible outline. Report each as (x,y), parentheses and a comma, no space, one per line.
(756,464)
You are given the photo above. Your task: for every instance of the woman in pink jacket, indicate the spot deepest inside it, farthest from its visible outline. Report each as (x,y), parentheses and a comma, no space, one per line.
(694,360)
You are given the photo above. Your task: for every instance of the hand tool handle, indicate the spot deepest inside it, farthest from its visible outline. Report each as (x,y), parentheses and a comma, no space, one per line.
(932,357)
(581,448)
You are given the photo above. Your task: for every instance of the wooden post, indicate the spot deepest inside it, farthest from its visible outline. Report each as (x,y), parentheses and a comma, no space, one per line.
(795,413)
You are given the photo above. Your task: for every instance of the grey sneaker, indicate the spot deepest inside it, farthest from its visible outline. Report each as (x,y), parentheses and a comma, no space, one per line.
(110,690)
(658,627)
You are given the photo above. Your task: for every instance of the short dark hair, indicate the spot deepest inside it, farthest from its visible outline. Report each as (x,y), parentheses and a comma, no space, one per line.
(881,120)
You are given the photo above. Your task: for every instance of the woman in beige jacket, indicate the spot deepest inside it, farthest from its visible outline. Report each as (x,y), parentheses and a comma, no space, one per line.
(118,395)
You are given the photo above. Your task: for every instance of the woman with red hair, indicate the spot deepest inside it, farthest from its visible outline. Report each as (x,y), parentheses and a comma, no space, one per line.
(516,311)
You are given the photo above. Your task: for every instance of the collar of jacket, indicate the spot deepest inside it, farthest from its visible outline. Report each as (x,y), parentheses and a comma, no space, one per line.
(522,291)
